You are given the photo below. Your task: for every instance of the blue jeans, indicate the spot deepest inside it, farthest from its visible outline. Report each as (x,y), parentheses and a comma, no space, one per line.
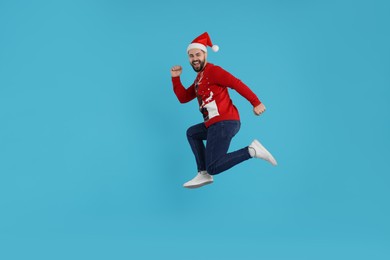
(214,157)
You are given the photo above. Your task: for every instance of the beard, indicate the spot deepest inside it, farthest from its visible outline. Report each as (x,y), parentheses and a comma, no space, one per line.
(198,66)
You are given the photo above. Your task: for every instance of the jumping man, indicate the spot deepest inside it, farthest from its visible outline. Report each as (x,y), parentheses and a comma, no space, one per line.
(220,116)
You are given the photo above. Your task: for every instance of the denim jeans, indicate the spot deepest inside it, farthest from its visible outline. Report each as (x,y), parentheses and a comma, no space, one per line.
(214,157)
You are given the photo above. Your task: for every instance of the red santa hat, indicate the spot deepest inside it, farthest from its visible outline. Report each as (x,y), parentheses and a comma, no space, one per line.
(201,42)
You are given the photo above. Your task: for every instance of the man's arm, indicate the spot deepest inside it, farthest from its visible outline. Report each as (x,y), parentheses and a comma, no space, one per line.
(224,78)
(183,95)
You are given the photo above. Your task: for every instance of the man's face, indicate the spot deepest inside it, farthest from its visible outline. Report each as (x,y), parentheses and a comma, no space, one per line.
(197,59)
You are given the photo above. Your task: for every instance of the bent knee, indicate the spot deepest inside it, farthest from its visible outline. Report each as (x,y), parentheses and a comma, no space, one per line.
(192,131)
(189,132)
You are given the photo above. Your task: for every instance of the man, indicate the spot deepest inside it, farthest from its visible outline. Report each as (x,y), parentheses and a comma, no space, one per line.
(221,118)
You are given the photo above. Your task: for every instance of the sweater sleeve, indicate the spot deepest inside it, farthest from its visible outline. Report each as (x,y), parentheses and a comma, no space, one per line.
(226,79)
(183,95)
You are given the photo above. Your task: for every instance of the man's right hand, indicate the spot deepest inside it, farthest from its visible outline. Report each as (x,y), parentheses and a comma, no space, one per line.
(176,71)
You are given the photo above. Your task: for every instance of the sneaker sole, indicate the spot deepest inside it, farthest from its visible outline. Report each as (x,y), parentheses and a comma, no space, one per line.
(198,185)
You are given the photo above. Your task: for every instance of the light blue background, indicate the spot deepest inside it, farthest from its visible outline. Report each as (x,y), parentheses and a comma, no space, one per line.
(93,152)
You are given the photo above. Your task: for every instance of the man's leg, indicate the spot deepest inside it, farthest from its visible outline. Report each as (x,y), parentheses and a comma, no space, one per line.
(195,135)
(219,137)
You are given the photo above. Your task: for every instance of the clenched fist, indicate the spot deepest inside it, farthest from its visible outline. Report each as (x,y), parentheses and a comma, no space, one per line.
(259,109)
(176,71)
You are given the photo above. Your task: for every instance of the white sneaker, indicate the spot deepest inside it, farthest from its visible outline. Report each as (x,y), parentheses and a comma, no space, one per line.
(258,151)
(202,178)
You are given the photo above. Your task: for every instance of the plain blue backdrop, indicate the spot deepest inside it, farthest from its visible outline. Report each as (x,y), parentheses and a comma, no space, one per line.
(93,152)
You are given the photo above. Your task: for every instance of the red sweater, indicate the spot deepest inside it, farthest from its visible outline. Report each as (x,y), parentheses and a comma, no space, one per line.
(210,87)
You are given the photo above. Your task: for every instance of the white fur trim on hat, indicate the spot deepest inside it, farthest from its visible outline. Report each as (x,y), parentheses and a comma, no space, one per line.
(197,46)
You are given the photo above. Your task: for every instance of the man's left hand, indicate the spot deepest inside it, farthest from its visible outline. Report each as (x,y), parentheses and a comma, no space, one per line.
(259,109)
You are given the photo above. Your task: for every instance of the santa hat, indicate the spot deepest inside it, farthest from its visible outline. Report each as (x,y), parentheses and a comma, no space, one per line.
(201,42)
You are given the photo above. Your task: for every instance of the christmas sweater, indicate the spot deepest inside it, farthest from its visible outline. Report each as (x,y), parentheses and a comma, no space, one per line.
(211,89)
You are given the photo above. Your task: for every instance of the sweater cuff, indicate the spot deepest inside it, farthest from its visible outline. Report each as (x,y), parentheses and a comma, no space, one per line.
(176,79)
(256,102)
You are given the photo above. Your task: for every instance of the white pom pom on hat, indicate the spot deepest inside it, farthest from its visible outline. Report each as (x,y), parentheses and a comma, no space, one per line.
(215,48)
(201,42)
